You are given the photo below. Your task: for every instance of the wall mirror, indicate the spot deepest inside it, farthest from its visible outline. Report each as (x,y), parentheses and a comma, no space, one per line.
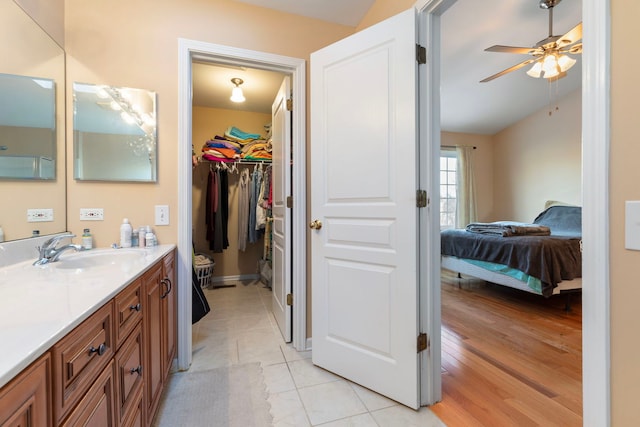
(32,126)
(114,133)
(27,127)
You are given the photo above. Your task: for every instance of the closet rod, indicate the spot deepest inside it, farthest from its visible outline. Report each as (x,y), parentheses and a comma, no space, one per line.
(239,161)
(456,146)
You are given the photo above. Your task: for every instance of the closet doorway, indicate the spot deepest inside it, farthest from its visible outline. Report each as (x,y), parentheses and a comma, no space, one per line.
(287,169)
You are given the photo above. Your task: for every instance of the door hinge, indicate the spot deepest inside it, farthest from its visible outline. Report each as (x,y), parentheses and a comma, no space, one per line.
(421,54)
(289,104)
(290,202)
(289,299)
(423,342)
(422,200)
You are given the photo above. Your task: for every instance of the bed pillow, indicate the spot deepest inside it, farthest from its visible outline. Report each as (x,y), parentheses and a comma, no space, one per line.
(562,220)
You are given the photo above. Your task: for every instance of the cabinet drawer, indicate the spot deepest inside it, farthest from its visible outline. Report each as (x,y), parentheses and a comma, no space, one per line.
(129,373)
(128,306)
(79,358)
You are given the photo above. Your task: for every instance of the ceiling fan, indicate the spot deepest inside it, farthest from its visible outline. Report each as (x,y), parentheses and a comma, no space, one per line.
(550,59)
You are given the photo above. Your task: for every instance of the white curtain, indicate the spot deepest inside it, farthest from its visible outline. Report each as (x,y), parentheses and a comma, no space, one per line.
(466,191)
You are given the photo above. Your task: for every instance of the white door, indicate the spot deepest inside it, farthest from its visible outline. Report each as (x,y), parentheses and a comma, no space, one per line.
(281,189)
(363,197)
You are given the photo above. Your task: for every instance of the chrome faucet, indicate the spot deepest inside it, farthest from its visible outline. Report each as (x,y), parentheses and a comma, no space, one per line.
(48,252)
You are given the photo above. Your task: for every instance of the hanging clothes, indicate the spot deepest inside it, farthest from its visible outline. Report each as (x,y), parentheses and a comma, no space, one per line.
(243,208)
(224,206)
(217,210)
(211,204)
(256,182)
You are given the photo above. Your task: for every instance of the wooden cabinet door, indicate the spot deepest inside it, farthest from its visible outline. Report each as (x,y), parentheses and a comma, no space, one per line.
(128,309)
(169,312)
(79,357)
(97,408)
(152,325)
(25,401)
(129,374)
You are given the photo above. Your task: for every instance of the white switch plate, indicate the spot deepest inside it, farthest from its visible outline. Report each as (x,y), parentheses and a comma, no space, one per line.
(162,215)
(632,225)
(39,215)
(91,214)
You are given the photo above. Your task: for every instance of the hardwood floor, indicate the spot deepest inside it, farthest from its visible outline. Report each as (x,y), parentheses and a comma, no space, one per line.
(509,358)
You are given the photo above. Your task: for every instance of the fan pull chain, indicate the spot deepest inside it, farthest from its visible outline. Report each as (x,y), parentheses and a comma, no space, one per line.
(553,97)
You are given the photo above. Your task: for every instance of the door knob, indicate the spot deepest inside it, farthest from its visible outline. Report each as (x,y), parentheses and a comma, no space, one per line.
(315,225)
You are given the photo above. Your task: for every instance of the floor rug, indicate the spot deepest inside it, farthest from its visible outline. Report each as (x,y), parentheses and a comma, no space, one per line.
(232,396)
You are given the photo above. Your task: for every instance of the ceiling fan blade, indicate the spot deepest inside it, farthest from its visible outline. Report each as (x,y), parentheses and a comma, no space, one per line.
(575,49)
(510,69)
(512,49)
(571,37)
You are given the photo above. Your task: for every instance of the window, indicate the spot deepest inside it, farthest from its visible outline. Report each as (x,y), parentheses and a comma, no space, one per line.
(448,172)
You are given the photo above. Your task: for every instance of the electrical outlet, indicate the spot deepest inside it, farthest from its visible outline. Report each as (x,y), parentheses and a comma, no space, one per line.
(91,214)
(162,215)
(39,215)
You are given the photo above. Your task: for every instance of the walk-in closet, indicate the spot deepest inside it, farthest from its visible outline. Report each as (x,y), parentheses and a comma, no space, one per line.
(238,165)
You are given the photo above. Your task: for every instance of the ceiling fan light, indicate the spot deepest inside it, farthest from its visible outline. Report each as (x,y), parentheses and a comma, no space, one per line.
(565,62)
(550,65)
(536,70)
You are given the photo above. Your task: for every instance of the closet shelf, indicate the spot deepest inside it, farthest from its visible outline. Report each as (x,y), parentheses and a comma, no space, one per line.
(238,161)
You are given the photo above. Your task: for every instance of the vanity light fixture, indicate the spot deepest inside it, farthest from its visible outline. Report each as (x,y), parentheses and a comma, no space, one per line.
(236,93)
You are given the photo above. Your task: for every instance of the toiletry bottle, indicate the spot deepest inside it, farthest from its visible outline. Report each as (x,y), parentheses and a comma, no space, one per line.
(1,235)
(87,239)
(141,236)
(149,237)
(125,234)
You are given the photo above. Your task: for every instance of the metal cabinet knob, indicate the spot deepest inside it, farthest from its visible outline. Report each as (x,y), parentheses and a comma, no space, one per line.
(315,225)
(102,349)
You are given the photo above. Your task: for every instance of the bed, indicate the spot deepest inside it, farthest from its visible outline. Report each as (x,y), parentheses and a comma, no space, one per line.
(541,264)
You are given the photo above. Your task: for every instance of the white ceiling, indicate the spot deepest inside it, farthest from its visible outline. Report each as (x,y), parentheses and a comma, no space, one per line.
(468,27)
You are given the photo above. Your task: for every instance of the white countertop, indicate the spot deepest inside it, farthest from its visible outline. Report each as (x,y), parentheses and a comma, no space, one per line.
(41,304)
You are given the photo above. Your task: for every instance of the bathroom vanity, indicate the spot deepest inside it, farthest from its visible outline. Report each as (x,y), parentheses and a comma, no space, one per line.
(87,340)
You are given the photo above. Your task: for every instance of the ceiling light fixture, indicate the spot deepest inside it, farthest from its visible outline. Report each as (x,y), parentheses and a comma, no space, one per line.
(236,93)
(551,66)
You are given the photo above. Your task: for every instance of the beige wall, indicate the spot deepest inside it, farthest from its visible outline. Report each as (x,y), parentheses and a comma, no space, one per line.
(383,9)
(483,165)
(135,44)
(208,122)
(539,159)
(624,185)
(49,14)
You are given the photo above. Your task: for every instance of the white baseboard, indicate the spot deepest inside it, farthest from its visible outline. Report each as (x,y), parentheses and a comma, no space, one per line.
(309,346)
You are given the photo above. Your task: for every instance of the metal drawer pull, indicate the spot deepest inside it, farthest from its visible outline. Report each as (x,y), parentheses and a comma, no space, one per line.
(166,282)
(102,349)
(138,370)
(136,307)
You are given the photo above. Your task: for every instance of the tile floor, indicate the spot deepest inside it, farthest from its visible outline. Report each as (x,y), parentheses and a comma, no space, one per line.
(240,329)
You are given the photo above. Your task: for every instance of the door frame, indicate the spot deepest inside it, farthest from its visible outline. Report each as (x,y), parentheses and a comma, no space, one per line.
(596,393)
(296,67)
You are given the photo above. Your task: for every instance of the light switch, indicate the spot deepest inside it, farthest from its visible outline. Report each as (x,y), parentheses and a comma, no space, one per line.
(162,215)
(632,225)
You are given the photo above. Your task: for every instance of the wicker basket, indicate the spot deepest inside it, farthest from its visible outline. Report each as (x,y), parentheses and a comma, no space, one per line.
(203,272)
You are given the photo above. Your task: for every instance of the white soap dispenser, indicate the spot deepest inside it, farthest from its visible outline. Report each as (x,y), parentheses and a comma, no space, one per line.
(125,233)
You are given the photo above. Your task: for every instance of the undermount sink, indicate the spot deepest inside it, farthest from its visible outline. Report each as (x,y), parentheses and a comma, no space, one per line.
(98,258)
